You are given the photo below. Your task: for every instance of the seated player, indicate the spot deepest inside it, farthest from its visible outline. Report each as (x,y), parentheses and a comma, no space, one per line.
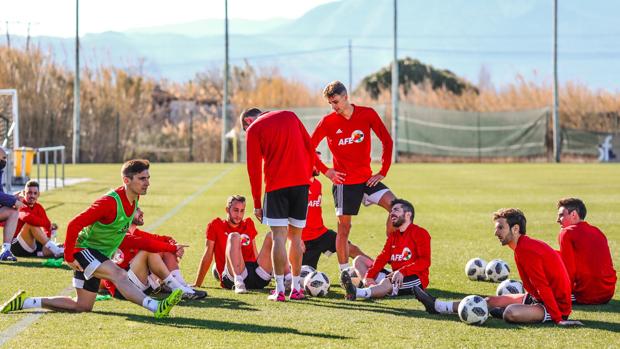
(316,238)
(233,243)
(34,229)
(9,205)
(407,249)
(541,270)
(143,255)
(586,255)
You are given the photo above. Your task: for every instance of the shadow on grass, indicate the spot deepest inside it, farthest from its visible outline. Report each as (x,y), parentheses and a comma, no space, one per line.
(184,322)
(219,302)
(612,307)
(27,262)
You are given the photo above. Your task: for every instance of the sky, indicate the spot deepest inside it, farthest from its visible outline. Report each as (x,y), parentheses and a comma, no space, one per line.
(57,17)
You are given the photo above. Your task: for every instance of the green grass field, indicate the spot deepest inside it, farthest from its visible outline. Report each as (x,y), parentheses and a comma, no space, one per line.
(454,202)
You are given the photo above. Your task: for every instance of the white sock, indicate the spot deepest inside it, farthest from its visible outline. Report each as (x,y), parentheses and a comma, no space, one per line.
(279,283)
(177,275)
(363,292)
(343,266)
(54,248)
(443,307)
(150,304)
(288,277)
(6,246)
(171,282)
(33,302)
(296,283)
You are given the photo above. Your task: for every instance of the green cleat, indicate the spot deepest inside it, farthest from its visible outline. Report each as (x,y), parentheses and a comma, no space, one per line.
(164,307)
(15,303)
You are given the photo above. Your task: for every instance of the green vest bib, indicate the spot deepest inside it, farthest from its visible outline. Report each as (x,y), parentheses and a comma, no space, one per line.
(106,238)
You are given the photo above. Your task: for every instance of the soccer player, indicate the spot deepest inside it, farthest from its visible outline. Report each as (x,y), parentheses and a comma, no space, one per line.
(9,204)
(542,272)
(407,249)
(92,238)
(34,229)
(586,255)
(347,130)
(280,141)
(316,238)
(233,242)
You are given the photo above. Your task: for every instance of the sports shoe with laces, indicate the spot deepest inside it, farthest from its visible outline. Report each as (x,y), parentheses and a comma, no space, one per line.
(240,288)
(297,295)
(14,303)
(276,296)
(198,294)
(7,256)
(164,307)
(347,284)
(426,299)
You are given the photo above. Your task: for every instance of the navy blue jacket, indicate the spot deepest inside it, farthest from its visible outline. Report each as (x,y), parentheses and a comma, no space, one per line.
(7,200)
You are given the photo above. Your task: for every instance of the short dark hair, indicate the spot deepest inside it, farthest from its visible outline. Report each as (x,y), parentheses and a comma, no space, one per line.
(133,167)
(233,198)
(247,113)
(513,216)
(334,88)
(31,183)
(407,206)
(574,204)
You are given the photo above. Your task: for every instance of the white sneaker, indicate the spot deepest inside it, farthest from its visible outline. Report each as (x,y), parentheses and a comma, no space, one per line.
(240,288)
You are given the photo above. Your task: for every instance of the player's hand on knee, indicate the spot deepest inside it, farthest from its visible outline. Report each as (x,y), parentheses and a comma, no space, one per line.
(369,282)
(568,323)
(397,278)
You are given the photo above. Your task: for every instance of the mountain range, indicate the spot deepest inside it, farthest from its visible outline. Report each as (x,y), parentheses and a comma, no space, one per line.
(497,38)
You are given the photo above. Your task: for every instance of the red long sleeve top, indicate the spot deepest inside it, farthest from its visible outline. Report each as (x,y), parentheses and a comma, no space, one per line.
(35,216)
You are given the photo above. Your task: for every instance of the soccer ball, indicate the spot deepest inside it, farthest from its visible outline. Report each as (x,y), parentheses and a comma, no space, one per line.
(474,269)
(509,287)
(497,270)
(473,310)
(305,271)
(317,284)
(355,277)
(216,275)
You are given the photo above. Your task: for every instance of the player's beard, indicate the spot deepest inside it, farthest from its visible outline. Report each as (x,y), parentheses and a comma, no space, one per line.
(399,222)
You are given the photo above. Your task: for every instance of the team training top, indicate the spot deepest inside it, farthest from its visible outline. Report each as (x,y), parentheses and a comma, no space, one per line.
(281,140)
(218,230)
(349,142)
(587,258)
(102,226)
(34,216)
(314,218)
(408,252)
(544,276)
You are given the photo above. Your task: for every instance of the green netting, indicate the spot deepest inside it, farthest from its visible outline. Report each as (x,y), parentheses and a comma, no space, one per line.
(438,132)
(588,143)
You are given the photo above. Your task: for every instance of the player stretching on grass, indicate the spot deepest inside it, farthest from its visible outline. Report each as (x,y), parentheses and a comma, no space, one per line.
(542,272)
(280,140)
(347,130)
(92,238)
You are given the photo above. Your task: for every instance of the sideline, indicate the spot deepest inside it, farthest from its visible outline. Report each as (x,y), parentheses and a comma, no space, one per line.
(31,318)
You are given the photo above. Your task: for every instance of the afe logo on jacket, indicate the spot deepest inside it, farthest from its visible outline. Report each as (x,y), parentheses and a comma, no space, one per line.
(357,136)
(403,256)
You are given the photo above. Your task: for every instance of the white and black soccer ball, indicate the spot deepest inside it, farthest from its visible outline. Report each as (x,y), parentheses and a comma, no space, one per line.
(497,270)
(473,310)
(317,284)
(305,271)
(475,269)
(509,287)
(355,277)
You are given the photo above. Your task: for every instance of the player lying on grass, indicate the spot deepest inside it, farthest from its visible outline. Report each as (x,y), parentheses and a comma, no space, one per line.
(34,229)
(9,204)
(316,238)
(92,238)
(407,249)
(586,255)
(233,242)
(148,259)
(542,272)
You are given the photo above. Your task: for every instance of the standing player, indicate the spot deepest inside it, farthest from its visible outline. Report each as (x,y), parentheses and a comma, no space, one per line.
(407,249)
(280,140)
(317,239)
(9,204)
(586,255)
(347,130)
(92,238)
(233,242)
(34,229)
(541,270)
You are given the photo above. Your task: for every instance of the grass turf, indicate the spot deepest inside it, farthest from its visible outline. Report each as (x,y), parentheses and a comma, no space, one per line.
(453,201)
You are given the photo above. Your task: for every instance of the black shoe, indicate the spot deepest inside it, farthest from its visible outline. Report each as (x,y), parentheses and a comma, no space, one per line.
(347,284)
(198,294)
(497,312)
(426,299)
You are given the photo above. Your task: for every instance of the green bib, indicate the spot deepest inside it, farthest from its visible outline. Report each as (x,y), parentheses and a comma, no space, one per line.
(106,238)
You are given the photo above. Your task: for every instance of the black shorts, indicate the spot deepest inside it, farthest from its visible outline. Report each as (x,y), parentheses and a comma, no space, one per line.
(89,260)
(286,206)
(407,288)
(252,281)
(325,243)
(349,197)
(19,251)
